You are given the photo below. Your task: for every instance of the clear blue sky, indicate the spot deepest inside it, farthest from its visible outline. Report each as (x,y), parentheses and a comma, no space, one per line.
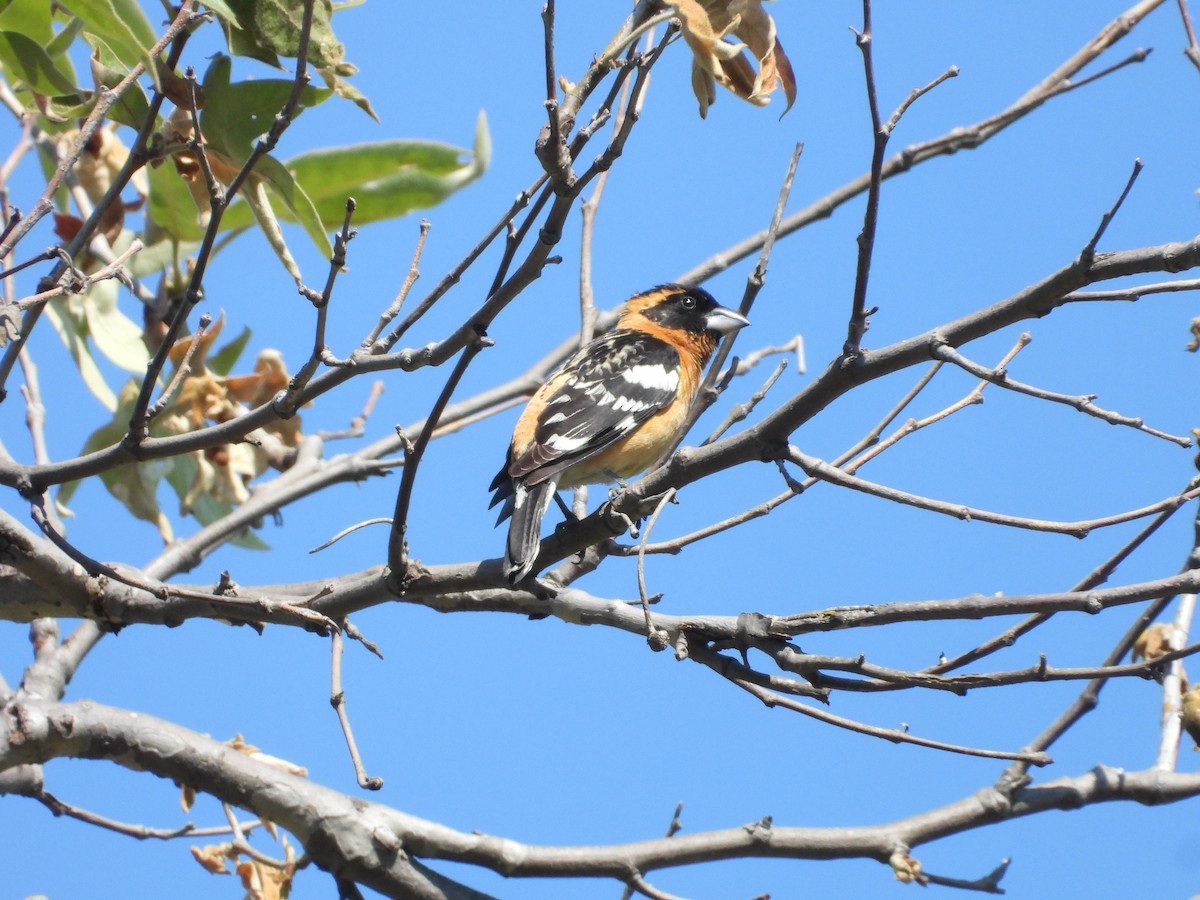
(551,733)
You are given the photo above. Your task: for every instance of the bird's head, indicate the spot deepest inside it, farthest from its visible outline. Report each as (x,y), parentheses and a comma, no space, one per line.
(679,307)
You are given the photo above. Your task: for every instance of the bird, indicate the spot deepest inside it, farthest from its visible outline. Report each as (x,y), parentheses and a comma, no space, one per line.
(610,411)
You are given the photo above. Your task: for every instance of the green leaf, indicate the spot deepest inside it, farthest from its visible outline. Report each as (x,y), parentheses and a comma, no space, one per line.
(65,109)
(224,11)
(236,115)
(107,71)
(135,485)
(115,334)
(31,18)
(268,29)
(223,361)
(71,325)
(386,179)
(284,186)
(170,206)
(236,17)
(347,91)
(160,256)
(255,196)
(60,45)
(119,23)
(26,61)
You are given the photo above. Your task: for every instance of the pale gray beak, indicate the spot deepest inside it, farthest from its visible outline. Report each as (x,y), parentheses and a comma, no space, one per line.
(724,321)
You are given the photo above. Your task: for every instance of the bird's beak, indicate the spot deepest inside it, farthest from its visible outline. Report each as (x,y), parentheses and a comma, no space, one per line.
(724,321)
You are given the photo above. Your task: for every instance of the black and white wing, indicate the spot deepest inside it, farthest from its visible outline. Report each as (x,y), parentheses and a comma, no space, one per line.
(609,388)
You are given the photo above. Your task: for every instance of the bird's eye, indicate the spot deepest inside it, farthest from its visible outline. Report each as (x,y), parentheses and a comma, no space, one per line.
(687,301)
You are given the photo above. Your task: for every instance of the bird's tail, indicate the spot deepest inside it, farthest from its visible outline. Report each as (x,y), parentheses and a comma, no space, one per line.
(530,503)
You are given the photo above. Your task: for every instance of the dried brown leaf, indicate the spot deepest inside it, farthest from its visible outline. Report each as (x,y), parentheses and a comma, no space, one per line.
(213,857)
(1153,642)
(709,25)
(263,882)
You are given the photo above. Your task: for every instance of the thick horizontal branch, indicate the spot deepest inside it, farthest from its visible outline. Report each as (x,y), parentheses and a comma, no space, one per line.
(40,581)
(371,843)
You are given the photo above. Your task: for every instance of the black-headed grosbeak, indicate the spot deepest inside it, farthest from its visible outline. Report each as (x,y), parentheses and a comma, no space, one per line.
(610,411)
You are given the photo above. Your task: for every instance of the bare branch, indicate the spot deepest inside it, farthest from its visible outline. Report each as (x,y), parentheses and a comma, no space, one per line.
(1097,576)
(409,280)
(1083,402)
(397,545)
(818,468)
(970,137)
(364,846)
(1192,50)
(141,832)
(337,699)
(1089,252)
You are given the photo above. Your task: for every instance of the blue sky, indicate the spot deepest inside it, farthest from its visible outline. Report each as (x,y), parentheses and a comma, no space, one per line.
(550,733)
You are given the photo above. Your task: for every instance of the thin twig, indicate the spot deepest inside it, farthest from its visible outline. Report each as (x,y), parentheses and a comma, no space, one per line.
(385,344)
(643,63)
(551,147)
(359,423)
(35,409)
(896,736)
(78,282)
(337,699)
(656,638)
(383,520)
(1089,251)
(859,314)
(988,884)
(337,263)
(818,468)
(397,544)
(1096,577)
(741,410)
(243,846)
(672,829)
(1192,50)
(197,145)
(1134,293)
(709,389)
(410,279)
(182,371)
(1082,402)
(866,237)
(141,832)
